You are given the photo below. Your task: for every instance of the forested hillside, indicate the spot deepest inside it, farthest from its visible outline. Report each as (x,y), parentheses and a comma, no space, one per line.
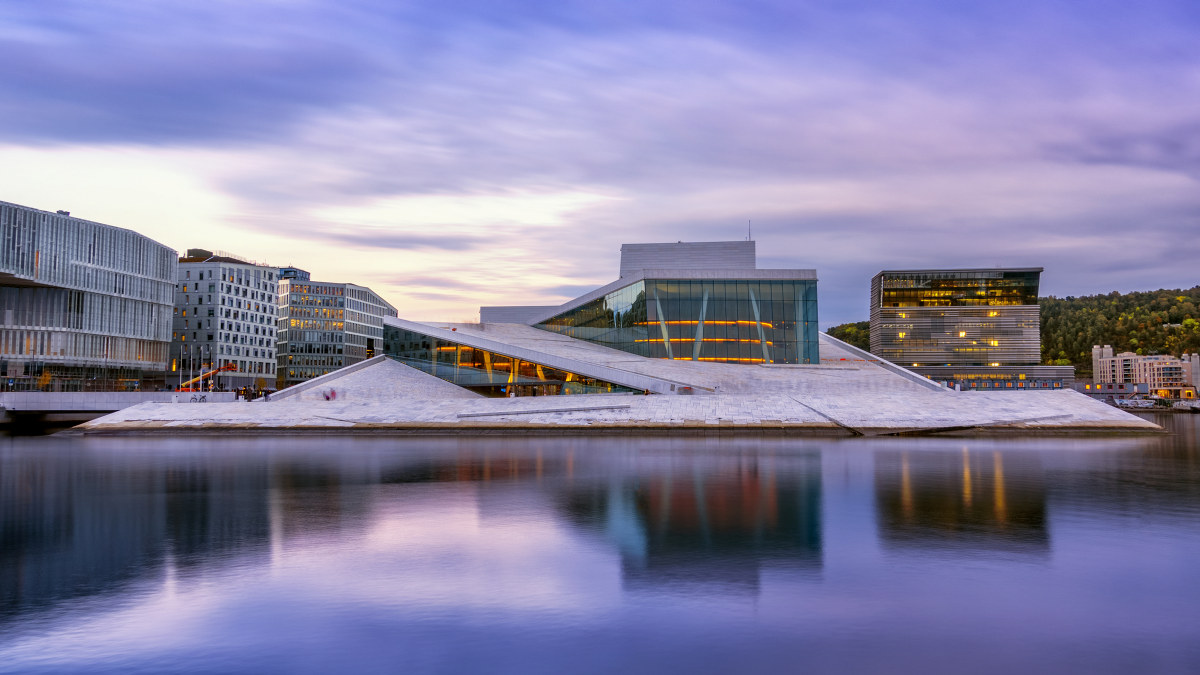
(857,334)
(1151,322)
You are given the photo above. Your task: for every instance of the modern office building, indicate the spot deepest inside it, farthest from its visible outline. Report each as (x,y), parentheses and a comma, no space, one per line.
(698,301)
(226,311)
(325,326)
(83,306)
(966,328)
(1164,375)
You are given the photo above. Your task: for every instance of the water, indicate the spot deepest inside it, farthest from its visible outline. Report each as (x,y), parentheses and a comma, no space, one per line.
(328,553)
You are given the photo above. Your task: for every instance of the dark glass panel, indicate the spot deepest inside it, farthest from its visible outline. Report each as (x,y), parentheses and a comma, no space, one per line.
(960,289)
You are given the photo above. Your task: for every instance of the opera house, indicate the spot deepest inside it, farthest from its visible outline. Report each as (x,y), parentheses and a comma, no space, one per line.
(690,338)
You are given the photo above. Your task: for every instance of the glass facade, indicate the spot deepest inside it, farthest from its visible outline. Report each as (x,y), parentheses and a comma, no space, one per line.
(486,372)
(959,288)
(732,321)
(326,326)
(940,318)
(83,306)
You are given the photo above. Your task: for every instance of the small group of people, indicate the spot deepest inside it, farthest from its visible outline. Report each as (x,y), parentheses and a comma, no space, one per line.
(330,394)
(249,394)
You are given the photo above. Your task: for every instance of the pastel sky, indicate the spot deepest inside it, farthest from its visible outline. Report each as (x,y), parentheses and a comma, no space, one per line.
(454,154)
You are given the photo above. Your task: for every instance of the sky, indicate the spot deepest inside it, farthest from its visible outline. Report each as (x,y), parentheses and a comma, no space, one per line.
(454,154)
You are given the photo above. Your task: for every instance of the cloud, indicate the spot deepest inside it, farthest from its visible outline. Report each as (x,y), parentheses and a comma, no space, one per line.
(513,149)
(402,241)
(169,72)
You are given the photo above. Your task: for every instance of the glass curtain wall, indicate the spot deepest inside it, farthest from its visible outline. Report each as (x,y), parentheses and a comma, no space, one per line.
(326,326)
(960,289)
(731,321)
(486,372)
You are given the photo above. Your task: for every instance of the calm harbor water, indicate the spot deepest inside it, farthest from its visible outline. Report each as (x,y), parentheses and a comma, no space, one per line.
(323,554)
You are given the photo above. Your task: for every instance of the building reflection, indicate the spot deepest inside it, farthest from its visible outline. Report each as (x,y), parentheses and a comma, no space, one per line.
(717,520)
(719,523)
(987,500)
(75,525)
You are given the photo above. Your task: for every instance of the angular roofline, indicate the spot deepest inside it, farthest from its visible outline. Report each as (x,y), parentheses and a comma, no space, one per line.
(624,378)
(341,283)
(681,275)
(92,222)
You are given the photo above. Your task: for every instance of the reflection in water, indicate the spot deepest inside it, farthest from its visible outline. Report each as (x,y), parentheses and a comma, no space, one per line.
(610,554)
(84,522)
(709,521)
(984,500)
(74,526)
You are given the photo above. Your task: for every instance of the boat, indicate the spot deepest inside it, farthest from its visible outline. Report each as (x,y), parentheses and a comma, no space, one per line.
(1134,403)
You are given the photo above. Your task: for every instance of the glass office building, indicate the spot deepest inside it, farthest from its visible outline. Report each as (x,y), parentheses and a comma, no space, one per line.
(83,306)
(970,328)
(978,317)
(325,326)
(768,321)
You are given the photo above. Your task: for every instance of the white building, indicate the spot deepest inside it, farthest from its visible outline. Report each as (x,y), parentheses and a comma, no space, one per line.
(225,315)
(1166,375)
(83,306)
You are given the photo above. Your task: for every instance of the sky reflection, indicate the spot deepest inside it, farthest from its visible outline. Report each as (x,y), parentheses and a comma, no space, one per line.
(297,554)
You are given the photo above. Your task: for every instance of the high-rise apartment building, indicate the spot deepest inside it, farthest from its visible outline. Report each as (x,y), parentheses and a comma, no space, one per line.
(970,328)
(83,306)
(325,326)
(226,311)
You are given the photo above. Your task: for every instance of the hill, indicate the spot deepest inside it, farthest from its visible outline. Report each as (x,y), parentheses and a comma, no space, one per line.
(1152,322)
(857,334)
(1166,321)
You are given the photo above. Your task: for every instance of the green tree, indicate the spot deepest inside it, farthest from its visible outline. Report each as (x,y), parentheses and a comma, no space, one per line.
(857,333)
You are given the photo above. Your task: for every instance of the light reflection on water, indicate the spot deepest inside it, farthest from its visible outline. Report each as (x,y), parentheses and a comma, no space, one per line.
(285,554)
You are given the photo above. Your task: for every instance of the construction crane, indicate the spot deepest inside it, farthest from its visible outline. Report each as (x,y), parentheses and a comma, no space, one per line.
(187,386)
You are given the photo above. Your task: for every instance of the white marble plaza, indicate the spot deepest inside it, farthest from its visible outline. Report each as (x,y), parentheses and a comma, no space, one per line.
(849,393)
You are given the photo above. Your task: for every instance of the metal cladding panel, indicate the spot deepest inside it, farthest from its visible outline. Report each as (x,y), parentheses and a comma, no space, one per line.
(981,334)
(81,294)
(687,255)
(932,336)
(526,314)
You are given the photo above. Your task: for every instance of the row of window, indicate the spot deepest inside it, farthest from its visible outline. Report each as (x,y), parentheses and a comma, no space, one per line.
(79,254)
(66,346)
(242,277)
(81,310)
